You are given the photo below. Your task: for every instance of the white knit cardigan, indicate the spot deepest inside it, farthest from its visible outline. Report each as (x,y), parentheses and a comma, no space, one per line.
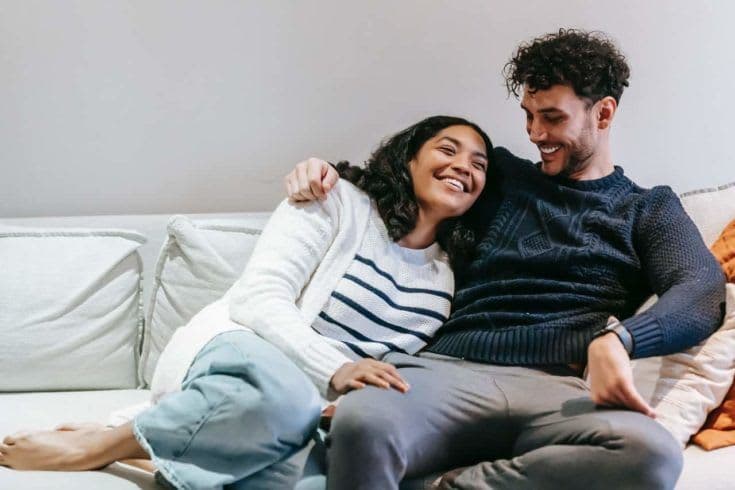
(302,253)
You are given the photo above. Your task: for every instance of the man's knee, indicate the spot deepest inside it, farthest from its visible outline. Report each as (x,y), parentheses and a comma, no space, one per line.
(365,428)
(652,458)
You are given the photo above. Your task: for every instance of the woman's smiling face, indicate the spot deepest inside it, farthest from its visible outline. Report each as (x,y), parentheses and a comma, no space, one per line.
(448,172)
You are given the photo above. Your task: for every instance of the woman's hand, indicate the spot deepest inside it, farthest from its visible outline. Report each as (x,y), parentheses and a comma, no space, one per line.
(357,375)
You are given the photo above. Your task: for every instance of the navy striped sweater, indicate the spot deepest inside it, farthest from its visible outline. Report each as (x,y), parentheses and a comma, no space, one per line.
(558,257)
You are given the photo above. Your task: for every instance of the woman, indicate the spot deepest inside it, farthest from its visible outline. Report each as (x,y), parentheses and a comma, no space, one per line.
(331,287)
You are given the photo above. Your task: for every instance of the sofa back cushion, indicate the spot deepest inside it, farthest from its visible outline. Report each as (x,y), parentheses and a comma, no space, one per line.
(70,308)
(711,209)
(198,263)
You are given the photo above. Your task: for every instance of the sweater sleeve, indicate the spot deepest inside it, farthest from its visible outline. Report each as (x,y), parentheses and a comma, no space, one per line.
(682,272)
(293,243)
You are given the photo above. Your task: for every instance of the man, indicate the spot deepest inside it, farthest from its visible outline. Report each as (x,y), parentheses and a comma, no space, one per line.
(566,247)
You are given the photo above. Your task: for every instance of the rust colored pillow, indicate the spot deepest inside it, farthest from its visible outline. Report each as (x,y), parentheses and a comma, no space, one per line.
(724,250)
(719,430)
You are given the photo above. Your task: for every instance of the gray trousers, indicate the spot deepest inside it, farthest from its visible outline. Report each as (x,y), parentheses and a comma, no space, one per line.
(511,427)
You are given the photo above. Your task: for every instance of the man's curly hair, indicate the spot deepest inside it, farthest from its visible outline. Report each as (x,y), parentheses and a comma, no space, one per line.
(386,178)
(589,62)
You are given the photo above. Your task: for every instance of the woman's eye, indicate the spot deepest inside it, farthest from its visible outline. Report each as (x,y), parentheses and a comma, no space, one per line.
(447,149)
(479,165)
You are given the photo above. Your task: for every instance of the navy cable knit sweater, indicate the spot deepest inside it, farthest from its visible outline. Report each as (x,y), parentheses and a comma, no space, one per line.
(558,257)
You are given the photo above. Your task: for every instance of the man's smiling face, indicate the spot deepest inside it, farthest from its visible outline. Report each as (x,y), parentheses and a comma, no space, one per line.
(561,125)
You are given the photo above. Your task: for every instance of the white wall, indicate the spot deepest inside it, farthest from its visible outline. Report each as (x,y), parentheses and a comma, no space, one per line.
(159,106)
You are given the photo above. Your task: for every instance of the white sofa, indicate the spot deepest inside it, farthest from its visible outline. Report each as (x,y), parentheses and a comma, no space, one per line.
(35,408)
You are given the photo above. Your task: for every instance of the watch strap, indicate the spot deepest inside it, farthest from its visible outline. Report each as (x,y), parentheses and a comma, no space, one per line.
(623,334)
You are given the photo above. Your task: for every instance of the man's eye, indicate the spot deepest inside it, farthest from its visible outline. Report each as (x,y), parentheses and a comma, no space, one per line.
(554,119)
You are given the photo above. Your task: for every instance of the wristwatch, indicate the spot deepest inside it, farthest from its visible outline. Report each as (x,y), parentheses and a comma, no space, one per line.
(623,334)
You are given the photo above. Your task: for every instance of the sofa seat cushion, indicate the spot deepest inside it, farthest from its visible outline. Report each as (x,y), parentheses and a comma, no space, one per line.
(707,469)
(45,410)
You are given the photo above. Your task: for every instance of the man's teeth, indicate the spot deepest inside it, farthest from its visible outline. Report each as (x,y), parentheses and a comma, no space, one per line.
(549,149)
(455,183)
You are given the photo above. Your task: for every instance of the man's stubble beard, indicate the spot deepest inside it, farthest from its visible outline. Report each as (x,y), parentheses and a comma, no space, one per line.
(580,155)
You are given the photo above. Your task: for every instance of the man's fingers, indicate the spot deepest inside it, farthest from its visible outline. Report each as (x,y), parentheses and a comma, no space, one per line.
(302,177)
(10,439)
(289,189)
(314,177)
(633,400)
(331,176)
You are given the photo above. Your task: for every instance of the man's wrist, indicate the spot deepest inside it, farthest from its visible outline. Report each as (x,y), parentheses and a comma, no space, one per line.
(621,332)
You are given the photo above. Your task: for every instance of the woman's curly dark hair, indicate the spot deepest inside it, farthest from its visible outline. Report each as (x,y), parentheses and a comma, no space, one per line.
(386,178)
(587,61)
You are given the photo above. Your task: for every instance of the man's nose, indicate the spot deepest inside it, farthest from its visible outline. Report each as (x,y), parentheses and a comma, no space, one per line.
(536,132)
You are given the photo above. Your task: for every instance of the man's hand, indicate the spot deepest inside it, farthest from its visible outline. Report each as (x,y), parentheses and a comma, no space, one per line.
(310,180)
(357,375)
(611,377)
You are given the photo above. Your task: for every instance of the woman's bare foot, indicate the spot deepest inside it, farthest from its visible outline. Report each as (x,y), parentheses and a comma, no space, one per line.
(84,447)
(141,464)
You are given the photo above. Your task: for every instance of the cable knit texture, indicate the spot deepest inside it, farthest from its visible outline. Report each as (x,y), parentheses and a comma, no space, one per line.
(558,257)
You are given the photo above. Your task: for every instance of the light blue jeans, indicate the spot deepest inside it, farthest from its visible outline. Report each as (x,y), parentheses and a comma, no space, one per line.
(243,409)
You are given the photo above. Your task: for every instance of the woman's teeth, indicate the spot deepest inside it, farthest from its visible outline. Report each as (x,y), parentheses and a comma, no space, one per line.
(454,183)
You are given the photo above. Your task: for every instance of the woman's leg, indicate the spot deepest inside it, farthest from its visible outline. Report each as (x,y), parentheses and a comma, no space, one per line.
(244,406)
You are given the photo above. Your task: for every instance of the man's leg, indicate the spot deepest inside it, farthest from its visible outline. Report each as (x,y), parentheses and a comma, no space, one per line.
(449,415)
(565,441)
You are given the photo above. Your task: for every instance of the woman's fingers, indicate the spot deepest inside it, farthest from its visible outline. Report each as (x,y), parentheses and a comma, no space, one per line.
(375,380)
(395,380)
(355,384)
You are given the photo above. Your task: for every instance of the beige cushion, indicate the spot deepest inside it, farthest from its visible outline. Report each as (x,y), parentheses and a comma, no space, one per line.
(198,263)
(70,314)
(692,383)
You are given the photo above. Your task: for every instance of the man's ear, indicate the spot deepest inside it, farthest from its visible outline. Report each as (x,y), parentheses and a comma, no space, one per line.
(606,108)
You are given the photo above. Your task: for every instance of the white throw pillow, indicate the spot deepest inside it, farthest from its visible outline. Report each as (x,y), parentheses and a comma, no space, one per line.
(70,309)
(197,265)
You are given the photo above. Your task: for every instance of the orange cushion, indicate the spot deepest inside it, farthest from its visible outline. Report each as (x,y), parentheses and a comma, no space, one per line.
(719,429)
(724,250)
